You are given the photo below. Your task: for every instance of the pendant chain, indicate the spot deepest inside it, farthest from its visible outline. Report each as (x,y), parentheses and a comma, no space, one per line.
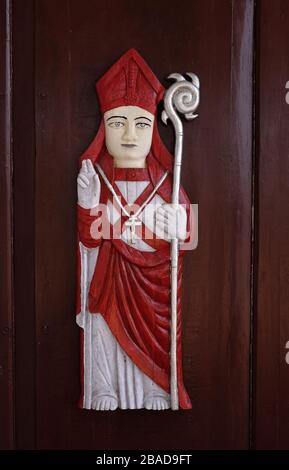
(141,208)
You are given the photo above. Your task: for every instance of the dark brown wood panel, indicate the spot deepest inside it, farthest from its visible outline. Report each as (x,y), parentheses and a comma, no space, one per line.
(6,266)
(75,44)
(272,306)
(24,221)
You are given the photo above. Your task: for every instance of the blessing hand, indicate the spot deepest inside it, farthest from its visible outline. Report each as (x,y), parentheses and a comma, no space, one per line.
(88,186)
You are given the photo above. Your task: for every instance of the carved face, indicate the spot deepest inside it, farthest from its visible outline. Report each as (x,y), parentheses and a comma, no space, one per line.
(128,135)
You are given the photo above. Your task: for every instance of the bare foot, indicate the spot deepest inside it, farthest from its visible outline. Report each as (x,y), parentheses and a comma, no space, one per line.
(156,403)
(104,403)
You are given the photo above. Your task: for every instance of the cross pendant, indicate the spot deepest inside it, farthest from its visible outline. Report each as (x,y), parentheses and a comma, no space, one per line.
(132,222)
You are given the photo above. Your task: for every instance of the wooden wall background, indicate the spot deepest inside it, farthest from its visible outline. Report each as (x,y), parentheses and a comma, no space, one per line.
(235,290)
(271,319)
(6,237)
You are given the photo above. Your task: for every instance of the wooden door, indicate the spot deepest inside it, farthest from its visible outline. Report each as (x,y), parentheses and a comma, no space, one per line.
(271,320)
(62,48)
(6,238)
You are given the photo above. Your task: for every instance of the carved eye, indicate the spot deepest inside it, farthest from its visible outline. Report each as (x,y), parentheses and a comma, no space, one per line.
(142,125)
(116,124)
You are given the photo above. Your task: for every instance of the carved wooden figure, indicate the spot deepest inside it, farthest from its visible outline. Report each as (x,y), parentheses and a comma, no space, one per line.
(125,224)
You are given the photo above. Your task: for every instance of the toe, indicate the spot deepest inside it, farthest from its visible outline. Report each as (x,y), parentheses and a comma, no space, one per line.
(113,405)
(148,404)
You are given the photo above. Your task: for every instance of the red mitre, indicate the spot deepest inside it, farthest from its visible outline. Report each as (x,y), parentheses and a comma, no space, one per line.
(130,82)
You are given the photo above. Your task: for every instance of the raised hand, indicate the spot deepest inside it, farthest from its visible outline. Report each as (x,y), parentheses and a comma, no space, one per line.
(88,186)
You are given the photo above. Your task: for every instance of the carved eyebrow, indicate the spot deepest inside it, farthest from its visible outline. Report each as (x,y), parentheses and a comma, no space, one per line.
(123,117)
(143,117)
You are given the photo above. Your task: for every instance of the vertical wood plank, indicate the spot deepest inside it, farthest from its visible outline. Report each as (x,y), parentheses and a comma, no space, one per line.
(6,244)
(75,44)
(271,410)
(24,221)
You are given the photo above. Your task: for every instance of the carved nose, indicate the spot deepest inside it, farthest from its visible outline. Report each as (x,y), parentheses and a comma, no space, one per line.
(130,136)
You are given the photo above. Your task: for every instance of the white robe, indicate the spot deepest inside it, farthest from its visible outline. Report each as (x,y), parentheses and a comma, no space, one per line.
(108,370)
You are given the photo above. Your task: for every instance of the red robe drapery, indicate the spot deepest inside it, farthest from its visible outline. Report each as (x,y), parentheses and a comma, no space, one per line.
(131,288)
